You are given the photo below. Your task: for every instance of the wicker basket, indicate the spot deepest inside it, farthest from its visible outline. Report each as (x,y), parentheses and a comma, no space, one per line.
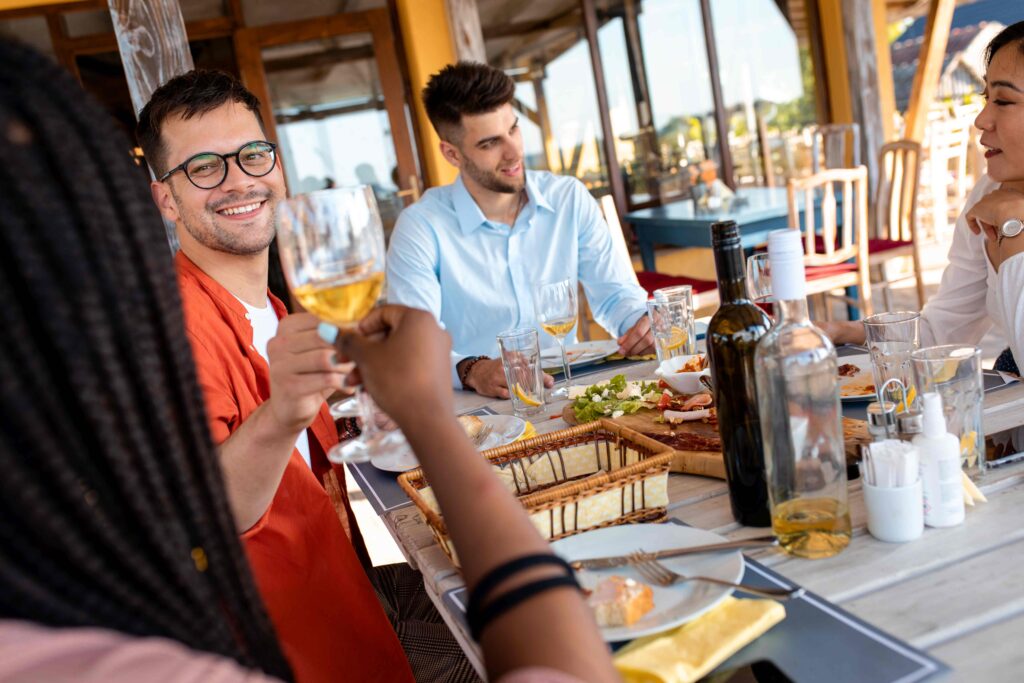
(565,487)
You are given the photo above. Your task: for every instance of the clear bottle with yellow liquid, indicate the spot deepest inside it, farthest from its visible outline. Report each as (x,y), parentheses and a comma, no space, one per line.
(801,420)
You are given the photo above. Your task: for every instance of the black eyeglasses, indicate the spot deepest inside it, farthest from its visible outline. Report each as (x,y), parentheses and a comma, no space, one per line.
(207,170)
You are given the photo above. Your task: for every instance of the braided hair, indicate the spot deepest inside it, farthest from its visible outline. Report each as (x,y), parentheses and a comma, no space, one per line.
(113,512)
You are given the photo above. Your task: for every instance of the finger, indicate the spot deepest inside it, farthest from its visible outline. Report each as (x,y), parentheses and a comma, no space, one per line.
(501,392)
(310,384)
(973,225)
(300,322)
(381,320)
(309,362)
(304,340)
(549,381)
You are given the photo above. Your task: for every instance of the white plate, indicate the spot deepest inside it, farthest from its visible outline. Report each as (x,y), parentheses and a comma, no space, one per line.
(504,430)
(673,605)
(578,354)
(863,378)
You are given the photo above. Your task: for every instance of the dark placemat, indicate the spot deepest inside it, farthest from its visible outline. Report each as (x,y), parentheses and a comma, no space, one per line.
(817,641)
(381,488)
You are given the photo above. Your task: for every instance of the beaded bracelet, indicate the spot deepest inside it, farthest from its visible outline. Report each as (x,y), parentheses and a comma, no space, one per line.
(467,365)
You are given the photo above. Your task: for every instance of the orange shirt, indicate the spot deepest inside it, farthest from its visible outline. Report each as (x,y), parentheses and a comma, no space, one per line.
(319,599)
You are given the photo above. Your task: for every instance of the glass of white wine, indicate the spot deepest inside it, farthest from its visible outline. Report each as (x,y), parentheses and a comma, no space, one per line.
(556,309)
(332,251)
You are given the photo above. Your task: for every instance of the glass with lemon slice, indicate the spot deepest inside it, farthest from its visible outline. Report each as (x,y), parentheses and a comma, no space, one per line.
(520,357)
(954,371)
(673,328)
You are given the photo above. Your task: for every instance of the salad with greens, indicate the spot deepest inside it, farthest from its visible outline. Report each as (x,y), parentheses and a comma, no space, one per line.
(613,398)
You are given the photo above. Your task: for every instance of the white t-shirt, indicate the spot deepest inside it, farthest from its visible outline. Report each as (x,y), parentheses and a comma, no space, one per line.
(264,327)
(972,296)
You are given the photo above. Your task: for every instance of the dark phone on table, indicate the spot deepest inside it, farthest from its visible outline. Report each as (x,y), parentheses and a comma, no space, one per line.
(1004,447)
(761,671)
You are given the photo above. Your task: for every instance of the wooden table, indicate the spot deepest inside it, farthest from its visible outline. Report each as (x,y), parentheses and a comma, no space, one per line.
(953,592)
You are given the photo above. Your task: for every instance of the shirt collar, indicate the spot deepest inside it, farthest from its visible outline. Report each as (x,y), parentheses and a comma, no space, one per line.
(469,214)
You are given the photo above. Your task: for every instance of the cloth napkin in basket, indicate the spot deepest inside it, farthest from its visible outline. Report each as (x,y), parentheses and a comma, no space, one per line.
(690,651)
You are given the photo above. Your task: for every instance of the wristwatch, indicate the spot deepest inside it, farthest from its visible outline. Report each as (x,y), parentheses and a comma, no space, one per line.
(1012,228)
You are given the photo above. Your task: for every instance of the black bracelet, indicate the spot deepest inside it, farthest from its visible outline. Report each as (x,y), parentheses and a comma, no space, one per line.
(479,619)
(467,365)
(493,578)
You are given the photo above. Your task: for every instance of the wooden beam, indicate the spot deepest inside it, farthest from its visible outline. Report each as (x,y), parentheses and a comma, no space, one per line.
(618,187)
(565,19)
(464,25)
(329,57)
(37,9)
(926,78)
(883,57)
(552,155)
(59,39)
(204,29)
(836,71)
(859,39)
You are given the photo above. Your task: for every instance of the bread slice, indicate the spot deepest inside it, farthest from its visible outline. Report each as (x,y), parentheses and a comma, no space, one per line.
(471,424)
(618,601)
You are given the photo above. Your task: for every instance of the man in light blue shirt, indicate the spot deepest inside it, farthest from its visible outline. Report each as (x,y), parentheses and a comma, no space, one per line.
(473,252)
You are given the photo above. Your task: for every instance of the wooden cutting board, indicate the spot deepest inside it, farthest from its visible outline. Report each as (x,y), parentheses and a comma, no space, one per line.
(710,463)
(702,463)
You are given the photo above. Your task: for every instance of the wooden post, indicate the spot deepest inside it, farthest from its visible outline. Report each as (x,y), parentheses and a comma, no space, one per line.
(883,59)
(153,45)
(862,71)
(727,174)
(552,155)
(467,36)
(618,187)
(926,79)
(647,136)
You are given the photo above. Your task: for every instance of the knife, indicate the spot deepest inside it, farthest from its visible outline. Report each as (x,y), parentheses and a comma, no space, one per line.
(619,560)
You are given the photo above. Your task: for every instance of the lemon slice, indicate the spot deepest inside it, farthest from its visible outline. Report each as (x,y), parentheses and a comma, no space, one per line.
(526,398)
(911,395)
(675,341)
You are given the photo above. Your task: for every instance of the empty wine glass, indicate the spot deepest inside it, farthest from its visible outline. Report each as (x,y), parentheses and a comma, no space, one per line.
(332,251)
(759,283)
(556,310)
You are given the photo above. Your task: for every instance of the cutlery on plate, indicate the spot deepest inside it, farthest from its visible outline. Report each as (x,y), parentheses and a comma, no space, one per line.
(482,435)
(659,574)
(620,560)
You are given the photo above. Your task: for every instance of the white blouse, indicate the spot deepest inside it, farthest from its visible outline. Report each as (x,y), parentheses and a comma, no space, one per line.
(972,296)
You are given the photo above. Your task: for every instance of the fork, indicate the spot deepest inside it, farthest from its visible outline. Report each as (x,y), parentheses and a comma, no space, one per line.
(481,437)
(657,573)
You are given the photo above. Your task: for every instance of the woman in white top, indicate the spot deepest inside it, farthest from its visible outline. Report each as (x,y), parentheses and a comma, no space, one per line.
(983,285)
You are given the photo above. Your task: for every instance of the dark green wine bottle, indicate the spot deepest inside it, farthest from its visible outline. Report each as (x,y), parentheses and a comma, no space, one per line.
(732,339)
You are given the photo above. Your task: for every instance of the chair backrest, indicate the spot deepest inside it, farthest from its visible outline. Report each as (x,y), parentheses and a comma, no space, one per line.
(899,165)
(611,217)
(833,138)
(837,243)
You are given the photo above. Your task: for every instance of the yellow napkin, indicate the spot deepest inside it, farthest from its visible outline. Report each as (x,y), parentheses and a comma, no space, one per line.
(528,433)
(685,654)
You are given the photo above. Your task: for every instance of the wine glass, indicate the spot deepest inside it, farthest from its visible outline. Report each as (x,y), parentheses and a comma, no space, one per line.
(556,309)
(332,251)
(759,283)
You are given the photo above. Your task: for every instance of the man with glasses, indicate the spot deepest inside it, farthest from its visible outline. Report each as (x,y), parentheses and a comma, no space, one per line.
(264,375)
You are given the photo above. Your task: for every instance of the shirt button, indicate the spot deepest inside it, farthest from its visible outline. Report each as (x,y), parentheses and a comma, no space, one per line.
(247,317)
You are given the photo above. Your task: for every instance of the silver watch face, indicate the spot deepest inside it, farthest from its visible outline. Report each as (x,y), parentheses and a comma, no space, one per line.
(1012,227)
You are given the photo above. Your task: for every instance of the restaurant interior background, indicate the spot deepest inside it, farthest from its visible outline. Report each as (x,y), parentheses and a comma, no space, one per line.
(640,99)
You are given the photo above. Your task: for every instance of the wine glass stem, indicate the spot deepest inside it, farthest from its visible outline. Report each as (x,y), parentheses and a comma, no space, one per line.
(368,428)
(565,364)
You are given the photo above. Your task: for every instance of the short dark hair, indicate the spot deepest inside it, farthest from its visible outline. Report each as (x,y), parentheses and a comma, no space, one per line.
(464,88)
(191,94)
(1014,33)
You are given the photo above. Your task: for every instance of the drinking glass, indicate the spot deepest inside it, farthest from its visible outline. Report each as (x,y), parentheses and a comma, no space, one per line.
(520,357)
(332,252)
(675,292)
(672,325)
(759,283)
(891,339)
(556,310)
(954,371)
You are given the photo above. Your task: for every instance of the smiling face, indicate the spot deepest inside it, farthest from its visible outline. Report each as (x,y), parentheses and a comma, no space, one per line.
(1002,119)
(236,217)
(489,151)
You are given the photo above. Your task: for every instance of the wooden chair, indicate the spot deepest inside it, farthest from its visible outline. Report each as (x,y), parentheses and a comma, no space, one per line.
(832,139)
(896,233)
(705,292)
(835,257)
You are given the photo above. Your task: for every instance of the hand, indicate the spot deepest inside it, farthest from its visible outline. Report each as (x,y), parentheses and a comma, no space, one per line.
(638,340)
(304,371)
(403,359)
(843,331)
(487,378)
(994,209)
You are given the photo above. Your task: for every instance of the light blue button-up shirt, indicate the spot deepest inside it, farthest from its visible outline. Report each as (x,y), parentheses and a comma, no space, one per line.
(477,277)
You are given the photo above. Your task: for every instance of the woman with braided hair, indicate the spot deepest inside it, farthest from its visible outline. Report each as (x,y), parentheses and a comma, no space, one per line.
(119,555)
(112,509)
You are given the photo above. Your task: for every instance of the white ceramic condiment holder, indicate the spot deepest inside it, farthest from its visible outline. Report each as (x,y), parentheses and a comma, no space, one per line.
(895,515)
